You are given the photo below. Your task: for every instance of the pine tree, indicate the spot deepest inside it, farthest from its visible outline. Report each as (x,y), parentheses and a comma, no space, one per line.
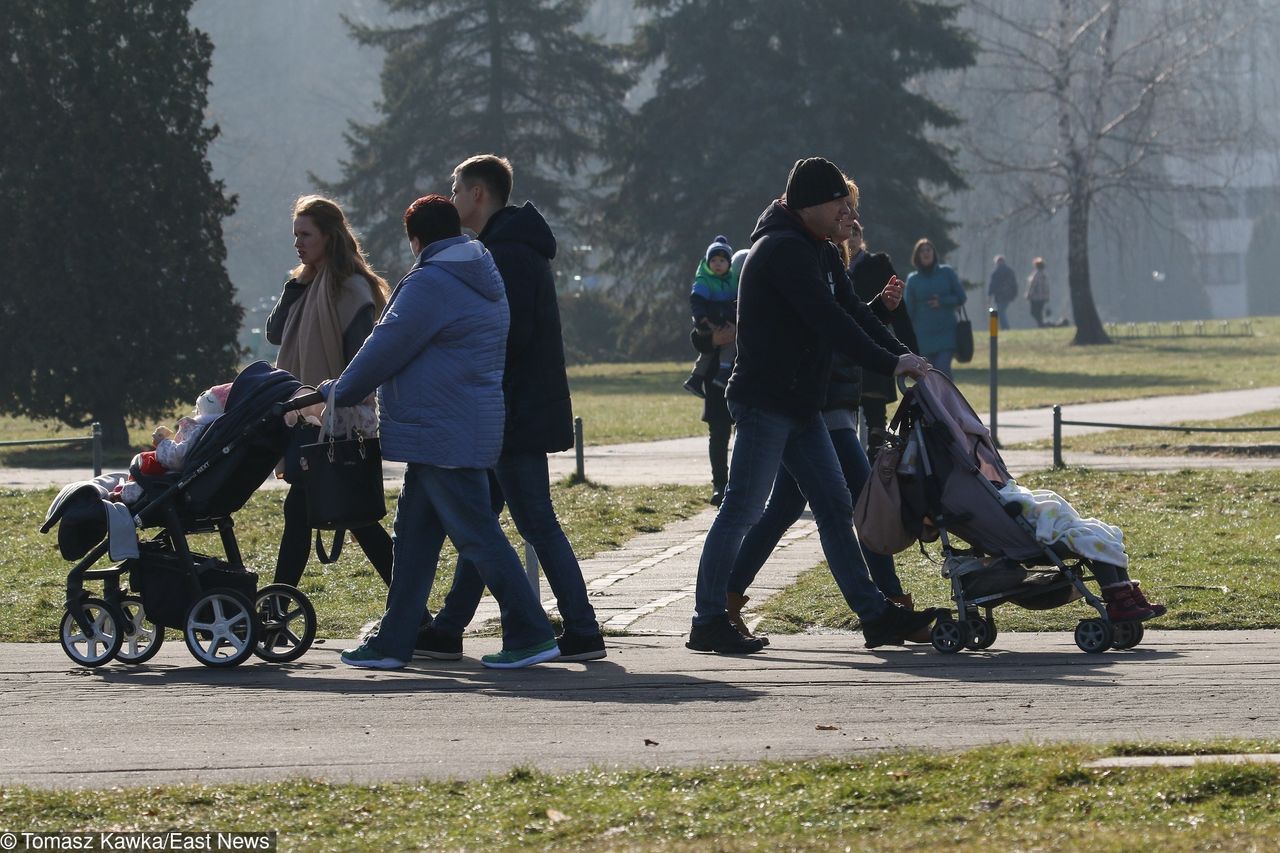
(117,302)
(464,77)
(746,88)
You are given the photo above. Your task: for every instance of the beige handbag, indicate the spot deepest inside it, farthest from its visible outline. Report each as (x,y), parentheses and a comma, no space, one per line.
(878,514)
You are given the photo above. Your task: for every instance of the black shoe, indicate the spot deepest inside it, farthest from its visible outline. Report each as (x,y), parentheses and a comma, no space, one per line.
(437,645)
(694,386)
(575,647)
(722,638)
(897,623)
(717,497)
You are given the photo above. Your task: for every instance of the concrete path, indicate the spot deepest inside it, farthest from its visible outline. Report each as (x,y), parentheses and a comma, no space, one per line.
(651,703)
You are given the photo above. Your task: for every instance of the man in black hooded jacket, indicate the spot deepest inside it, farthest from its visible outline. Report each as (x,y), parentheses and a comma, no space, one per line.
(795,307)
(539,412)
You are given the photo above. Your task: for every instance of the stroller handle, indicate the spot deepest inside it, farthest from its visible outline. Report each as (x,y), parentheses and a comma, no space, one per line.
(300,402)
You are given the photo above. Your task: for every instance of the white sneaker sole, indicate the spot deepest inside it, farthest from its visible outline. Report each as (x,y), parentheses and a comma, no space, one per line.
(541,657)
(380,663)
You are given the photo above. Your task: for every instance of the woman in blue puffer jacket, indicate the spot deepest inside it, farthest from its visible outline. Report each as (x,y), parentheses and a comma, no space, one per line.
(932,295)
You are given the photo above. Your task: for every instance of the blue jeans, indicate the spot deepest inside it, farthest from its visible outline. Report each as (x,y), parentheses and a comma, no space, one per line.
(454,502)
(786,503)
(526,485)
(941,360)
(767,439)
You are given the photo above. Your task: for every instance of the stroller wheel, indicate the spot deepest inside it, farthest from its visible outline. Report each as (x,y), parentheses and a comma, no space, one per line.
(1127,635)
(949,636)
(982,633)
(1094,635)
(221,628)
(142,637)
(288,623)
(101,642)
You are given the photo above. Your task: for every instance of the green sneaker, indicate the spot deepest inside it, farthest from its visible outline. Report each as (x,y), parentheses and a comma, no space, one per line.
(369,658)
(517,658)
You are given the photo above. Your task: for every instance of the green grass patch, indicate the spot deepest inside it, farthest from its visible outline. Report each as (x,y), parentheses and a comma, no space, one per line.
(346,594)
(1205,543)
(1167,443)
(995,798)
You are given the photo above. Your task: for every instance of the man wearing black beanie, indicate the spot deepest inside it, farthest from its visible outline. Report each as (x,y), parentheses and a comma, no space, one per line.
(795,307)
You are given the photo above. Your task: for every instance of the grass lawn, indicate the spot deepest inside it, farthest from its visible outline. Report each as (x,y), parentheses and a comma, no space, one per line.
(996,798)
(346,594)
(1167,443)
(1206,543)
(1038,367)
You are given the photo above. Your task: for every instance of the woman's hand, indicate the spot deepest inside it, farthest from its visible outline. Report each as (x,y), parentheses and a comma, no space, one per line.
(891,296)
(934,302)
(910,364)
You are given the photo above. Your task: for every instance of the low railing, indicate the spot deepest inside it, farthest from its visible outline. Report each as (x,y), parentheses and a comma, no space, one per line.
(95,437)
(1058,424)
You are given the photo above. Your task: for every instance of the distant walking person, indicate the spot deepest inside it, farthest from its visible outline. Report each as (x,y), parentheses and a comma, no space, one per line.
(436,359)
(795,307)
(933,294)
(326,311)
(1038,291)
(539,413)
(1002,289)
(713,302)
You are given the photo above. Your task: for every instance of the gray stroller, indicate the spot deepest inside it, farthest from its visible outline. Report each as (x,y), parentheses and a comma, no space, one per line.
(949,474)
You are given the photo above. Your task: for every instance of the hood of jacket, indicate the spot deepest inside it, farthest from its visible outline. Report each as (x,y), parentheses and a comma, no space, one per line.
(520,225)
(778,217)
(466,260)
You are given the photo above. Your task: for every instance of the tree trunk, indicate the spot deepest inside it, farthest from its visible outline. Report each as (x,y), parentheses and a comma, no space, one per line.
(115,435)
(1089,329)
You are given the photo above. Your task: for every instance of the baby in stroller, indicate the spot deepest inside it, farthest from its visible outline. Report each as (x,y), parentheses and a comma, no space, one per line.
(170,448)
(940,476)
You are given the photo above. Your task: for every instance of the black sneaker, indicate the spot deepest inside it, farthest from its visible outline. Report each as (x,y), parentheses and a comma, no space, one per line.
(717,497)
(576,647)
(722,638)
(897,623)
(437,645)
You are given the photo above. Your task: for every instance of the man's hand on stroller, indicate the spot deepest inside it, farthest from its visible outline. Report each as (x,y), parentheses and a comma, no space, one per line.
(910,364)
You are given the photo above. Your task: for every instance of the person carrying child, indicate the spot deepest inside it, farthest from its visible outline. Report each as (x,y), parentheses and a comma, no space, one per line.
(713,301)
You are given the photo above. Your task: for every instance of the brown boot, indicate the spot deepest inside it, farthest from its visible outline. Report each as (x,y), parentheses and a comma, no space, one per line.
(922,635)
(735,605)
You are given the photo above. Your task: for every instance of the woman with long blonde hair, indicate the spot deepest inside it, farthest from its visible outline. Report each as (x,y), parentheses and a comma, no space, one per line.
(327,309)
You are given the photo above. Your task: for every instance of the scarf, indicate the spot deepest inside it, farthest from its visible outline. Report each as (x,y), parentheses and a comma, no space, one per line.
(311,345)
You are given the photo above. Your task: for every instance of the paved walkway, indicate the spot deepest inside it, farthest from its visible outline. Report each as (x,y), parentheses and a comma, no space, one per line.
(651,703)
(697,709)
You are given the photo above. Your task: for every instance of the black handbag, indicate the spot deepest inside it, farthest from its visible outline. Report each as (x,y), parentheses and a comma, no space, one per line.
(342,478)
(964,336)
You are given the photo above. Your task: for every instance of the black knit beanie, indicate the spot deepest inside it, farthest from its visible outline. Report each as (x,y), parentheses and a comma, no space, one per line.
(814,180)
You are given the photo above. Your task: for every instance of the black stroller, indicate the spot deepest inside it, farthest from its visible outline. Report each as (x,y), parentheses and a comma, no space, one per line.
(216,603)
(949,474)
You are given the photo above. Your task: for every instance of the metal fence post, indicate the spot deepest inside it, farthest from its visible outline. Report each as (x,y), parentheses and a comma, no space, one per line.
(577,448)
(97,449)
(993,322)
(1057,438)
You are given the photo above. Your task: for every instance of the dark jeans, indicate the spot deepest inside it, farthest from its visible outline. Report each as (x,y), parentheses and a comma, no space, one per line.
(941,360)
(295,542)
(767,439)
(719,428)
(1037,311)
(1003,309)
(786,503)
(454,502)
(526,485)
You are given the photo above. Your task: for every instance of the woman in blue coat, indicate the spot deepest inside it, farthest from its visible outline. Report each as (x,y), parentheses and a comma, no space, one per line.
(932,295)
